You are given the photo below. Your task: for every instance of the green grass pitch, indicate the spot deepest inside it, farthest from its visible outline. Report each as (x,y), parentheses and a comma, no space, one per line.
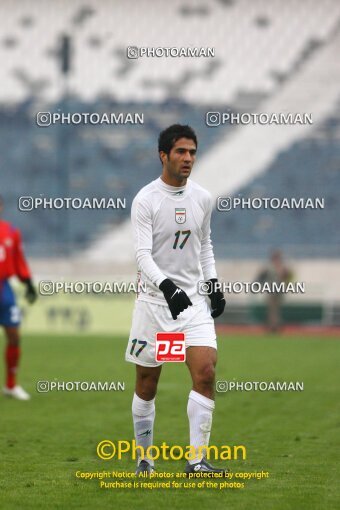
(294,436)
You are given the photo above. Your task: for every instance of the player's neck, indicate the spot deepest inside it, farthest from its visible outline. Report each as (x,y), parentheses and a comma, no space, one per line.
(171,181)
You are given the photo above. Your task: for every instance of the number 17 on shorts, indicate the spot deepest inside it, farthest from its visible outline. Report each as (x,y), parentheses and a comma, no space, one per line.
(170,347)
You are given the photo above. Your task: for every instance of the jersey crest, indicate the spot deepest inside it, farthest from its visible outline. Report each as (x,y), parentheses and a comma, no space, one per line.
(180,215)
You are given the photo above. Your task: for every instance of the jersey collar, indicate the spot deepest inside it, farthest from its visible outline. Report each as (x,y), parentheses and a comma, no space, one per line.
(175,191)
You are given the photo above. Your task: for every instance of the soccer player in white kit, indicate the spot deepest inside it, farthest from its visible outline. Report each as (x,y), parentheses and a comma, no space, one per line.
(171,229)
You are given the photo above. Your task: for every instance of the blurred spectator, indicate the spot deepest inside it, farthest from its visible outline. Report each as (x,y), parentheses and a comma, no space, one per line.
(277,272)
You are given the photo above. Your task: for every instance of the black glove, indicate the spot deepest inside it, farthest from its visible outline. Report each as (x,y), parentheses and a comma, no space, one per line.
(216,297)
(175,297)
(31,293)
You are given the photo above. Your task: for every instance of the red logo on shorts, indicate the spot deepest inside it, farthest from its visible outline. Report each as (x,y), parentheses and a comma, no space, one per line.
(170,347)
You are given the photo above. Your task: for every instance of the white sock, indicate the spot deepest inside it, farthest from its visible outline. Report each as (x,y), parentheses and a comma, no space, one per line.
(200,410)
(143,414)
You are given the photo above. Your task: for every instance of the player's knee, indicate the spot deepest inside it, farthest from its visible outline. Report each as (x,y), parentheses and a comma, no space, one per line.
(13,337)
(14,341)
(147,386)
(206,376)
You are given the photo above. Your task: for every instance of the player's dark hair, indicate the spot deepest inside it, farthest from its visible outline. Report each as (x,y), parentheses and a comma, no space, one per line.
(170,135)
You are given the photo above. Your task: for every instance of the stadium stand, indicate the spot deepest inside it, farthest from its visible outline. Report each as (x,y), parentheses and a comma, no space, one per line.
(256,63)
(260,70)
(310,168)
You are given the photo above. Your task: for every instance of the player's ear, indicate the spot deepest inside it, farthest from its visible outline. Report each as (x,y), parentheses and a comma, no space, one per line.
(163,156)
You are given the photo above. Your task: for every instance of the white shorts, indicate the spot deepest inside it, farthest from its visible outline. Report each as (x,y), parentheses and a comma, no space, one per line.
(148,319)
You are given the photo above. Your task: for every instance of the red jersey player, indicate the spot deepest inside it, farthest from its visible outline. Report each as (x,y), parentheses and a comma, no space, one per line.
(12,263)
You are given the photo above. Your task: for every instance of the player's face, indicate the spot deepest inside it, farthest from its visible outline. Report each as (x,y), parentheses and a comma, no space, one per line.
(178,164)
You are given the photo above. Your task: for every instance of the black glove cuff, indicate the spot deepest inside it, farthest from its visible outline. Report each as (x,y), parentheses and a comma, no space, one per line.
(214,291)
(167,286)
(28,282)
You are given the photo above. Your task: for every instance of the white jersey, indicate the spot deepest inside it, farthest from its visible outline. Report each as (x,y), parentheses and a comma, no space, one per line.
(171,229)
